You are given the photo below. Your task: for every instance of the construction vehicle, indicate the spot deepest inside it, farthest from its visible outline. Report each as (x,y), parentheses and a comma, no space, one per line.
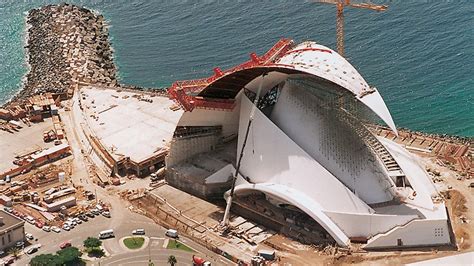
(340,4)
(49,135)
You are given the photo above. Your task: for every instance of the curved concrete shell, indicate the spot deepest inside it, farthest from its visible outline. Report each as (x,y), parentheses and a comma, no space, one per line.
(308,150)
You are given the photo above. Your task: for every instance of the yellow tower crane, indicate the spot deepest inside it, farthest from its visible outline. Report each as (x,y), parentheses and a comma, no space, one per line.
(340,4)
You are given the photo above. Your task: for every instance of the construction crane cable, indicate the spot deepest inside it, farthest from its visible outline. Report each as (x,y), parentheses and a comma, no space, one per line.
(225,220)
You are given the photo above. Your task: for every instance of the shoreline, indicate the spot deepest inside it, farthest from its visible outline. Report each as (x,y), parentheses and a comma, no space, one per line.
(63,44)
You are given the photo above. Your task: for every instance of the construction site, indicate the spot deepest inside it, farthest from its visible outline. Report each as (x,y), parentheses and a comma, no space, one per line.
(36,165)
(199,138)
(290,157)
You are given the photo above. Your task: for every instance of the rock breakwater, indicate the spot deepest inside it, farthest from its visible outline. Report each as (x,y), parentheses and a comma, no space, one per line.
(66,44)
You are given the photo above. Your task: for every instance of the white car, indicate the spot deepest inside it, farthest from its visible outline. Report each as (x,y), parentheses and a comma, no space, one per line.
(77,220)
(106,214)
(29,236)
(66,227)
(46,228)
(72,222)
(30,219)
(55,229)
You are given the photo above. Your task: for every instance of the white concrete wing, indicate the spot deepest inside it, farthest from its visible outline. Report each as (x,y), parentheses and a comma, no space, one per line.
(318,60)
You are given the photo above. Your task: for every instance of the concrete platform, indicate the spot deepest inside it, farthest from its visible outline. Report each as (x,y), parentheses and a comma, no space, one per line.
(200,210)
(127,123)
(26,140)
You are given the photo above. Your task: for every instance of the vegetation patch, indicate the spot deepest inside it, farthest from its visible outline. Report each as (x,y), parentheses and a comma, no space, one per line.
(69,256)
(92,247)
(134,242)
(174,244)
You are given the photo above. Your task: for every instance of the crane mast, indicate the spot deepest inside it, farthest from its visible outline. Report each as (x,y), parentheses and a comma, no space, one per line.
(340,5)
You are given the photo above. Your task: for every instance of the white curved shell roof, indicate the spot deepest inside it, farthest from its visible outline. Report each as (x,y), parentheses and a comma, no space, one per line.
(318,60)
(323,62)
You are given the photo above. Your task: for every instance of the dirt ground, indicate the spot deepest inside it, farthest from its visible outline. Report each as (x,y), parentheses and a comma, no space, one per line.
(25,140)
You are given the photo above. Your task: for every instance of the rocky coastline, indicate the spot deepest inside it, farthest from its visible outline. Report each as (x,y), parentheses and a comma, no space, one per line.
(66,44)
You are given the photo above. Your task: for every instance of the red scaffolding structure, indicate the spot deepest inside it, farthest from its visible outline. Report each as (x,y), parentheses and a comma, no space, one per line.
(185,92)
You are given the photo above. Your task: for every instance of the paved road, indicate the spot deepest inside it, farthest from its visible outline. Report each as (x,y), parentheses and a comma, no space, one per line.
(157,252)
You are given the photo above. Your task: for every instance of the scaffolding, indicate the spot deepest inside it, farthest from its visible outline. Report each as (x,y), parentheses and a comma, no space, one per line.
(185,92)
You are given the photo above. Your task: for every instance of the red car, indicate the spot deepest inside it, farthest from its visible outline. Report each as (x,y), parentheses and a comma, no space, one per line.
(39,224)
(65,245)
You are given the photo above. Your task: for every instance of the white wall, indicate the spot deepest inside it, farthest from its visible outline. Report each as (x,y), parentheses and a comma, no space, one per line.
(223,175)
(330,142)
(229,120)
(184,148)
(415,233)
(367,225)
(272,157)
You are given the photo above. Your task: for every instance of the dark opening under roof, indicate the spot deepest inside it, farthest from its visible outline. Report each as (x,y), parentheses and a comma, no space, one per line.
(228,86)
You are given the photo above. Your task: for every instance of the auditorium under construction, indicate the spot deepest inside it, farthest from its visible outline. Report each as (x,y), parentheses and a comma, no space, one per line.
(296,122)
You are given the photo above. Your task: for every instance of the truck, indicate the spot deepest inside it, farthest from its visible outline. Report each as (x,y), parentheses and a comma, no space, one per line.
(267,254)
(171,233)
(49,136)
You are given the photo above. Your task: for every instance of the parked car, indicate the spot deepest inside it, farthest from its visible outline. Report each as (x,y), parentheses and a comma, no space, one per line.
(77,221)
(71,222)
(9,260)
(55,229)
(95,212)
(106,214)
(29,219)
(65,245)
(138,232)
(83,217)
(66,227)
(39,224)
(90,214)
(29,236)
(31,250)
(20,244)
(46,228)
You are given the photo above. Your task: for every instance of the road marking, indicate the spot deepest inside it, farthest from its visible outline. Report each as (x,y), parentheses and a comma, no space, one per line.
(157,238)
(155,243)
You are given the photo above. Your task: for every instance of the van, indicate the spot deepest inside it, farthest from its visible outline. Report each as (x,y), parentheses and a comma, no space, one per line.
(171,233)
(138,232)
(106,234)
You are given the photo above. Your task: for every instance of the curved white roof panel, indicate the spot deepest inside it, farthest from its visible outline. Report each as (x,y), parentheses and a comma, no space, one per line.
(318,60)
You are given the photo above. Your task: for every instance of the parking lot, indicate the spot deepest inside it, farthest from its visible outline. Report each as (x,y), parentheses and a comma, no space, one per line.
(50,242)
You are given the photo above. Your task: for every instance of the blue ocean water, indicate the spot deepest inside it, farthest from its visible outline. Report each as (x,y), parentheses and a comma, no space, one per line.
(419,54)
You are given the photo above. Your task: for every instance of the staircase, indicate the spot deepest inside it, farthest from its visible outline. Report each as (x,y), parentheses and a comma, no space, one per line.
(374,144)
